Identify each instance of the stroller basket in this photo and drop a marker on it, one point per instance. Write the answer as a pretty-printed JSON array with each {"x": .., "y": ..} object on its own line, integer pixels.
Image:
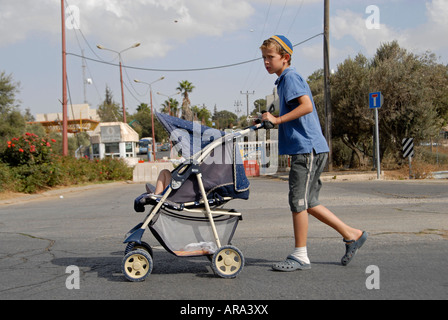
[{"x": 191, "y": 235}]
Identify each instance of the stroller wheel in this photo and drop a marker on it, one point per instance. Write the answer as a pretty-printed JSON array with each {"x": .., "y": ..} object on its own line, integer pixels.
[
  {"x": 137, "y": 265},
  {"x": 134, "y": 246},
  {"x": 228, "y": 262}
]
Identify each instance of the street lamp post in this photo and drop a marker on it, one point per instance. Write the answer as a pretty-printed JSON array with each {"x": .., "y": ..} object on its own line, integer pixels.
[
  {"x": 121, "y": 72},
  {"x": 152, "y": 114}
]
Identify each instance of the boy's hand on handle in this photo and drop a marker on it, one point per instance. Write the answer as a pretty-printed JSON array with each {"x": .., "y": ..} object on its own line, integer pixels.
[
  {"x": 268, "y": 119},
  {"x": 267, "y": 116}
]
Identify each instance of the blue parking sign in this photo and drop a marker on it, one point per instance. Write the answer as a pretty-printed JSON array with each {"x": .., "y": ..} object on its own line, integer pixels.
[{"x": 375, "y": 100}]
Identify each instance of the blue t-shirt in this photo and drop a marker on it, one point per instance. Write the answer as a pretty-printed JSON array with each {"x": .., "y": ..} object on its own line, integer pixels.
[{"x": 304, "y": 134}]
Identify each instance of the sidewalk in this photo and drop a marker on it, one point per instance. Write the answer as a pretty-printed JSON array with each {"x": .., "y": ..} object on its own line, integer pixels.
[{"x": 339, "y": 176}]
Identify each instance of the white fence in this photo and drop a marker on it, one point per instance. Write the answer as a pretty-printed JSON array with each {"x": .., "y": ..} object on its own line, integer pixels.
[{"x": 263, "y": 149}]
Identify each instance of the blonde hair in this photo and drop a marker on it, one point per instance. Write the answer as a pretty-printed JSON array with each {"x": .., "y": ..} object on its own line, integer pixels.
[{"x": 271, "y": 43}]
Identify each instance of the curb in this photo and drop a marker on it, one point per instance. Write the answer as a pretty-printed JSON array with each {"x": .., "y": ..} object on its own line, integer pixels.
[
  {"x": 338, "y": 176},
  {"x": 56, "y": 192}
]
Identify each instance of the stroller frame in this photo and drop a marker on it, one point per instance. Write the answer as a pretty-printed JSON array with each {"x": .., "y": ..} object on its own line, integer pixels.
[{"x": 227, "y": 260}]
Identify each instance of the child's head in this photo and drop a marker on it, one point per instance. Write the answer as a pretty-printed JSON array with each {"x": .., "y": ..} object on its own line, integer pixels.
[{"x": 281, "y": 44}]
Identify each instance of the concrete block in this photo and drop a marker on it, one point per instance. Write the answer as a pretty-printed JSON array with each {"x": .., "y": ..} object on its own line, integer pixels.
[{"x": 149, "y": 171}]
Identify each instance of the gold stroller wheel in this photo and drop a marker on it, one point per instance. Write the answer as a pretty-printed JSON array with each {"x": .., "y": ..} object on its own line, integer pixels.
[
  {"x": 228, "y": 262},
  {"x": 137, "y": 265}
]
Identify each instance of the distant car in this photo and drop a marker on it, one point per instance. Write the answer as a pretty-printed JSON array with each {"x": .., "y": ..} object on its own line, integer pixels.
[{"x": 165, "y": 147}]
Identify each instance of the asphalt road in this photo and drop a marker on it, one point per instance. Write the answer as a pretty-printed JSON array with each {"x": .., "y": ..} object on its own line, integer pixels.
[{"x": 405, "y": 256}]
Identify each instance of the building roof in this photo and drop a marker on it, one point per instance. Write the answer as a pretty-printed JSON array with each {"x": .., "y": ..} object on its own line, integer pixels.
[
  {"x": 107, "y": 132},
  {"x": 80, "y": 117}
]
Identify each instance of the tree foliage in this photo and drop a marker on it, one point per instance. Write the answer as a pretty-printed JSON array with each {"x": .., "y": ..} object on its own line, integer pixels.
[
  {"x": 186, "y": 87},
  {"x": 12, "y": 122},
  {"x": 8, "y": 91},
  {"x": 142, "y": 124},
  {"x": 171, "y": 107},
  {"x": 406, "y": 81},
  {"x": 202, "y": 114},
  {"x": 415, "y": 90},
  {"x": 109, "y": 110},
  {"x": 224, "y": 119}
]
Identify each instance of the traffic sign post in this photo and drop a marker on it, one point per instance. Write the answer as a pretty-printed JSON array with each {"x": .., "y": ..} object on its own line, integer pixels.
[
  {"x": 376, "y": 102},
  {"x": 408, "y": 152}
]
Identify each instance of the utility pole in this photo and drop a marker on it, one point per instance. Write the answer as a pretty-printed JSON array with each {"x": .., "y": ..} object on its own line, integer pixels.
[
  {"x": 64, "y": 86},
  {"x": 247, "y": 93},
  {"x": 122, "y": 93},
  {"x": 238, "y": 109},
  {"x": 327, "y": 95}
]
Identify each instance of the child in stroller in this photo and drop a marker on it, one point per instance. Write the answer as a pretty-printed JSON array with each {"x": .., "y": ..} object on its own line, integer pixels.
[{"x": 163, "y": 181}]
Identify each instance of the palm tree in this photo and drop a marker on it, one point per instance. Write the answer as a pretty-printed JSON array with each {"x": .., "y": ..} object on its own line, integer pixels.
[
  {"x": 143, "y": 107},
  {"x": 185, "y": 88},
  {"x": 171, "y": 107}
]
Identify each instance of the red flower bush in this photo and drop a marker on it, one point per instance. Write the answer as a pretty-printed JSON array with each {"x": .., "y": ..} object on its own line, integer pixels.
[
  {"x": 27, "y": 149},
  {"x": 28, "y": 164}
]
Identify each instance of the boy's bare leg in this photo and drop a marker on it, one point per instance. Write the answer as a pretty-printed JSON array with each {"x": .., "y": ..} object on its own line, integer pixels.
[
  {"x": 329, "y": 218},
  {"x": 300, "y": 223}
]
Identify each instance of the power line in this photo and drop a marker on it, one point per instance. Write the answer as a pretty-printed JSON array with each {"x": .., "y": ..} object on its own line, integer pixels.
[
  {"x": 295, "y": 17},
  {"x": 132, "y": 84},
  {"x": 167, "y": 70},
  {"x": 256, "y": 77},
  {"x": 78, "y": 28},
  {"x": 187, "y": 70},
  {"x": 281, "y": 15},
  {"x": 259, "y": 41}
]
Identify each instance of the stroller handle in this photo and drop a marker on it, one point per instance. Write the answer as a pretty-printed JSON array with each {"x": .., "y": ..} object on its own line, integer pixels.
[
  {"x": 259, "y": 125},
  {"x": 263, "y": 124}
]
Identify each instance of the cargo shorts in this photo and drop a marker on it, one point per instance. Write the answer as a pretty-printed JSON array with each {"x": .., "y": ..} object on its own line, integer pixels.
[{"x": 304, "y": 180}]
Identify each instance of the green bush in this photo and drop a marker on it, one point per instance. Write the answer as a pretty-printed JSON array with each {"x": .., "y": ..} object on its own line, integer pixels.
[
  {"x": 6, "y": 180},
  {"x": 31, "y": 178},
  {"x": 28, "y": 164},
  {"x": 76, "y": 171}
]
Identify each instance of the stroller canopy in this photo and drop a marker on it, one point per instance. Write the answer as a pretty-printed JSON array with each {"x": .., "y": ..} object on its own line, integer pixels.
[
  {"x": 187, "y": 136},
  {"x": 222, "y": 168}
]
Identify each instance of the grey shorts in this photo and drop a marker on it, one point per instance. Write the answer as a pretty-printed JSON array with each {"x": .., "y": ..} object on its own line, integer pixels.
[{"x": 304, "y": 180}]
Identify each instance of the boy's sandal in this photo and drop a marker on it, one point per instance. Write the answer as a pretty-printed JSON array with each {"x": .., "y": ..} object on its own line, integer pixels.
[
  {"x": 291, "y": 264},
  {"x": 351, "y": 247}
]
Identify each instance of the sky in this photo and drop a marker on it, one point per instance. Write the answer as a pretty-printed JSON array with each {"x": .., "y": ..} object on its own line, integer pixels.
[{"x": 210, "y": 43}]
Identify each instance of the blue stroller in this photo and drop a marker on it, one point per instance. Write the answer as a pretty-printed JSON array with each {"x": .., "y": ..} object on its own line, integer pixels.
[{"x": 187, "y": 219}]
